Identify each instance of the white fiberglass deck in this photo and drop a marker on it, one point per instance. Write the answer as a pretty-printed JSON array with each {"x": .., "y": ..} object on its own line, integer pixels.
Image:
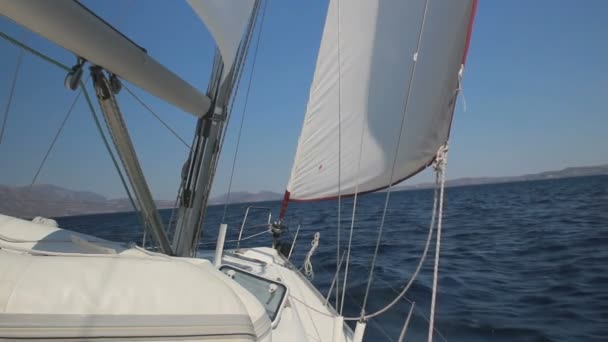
[
  {"x": 305, "y": 307},
  {"x": 58, "y": 284}
]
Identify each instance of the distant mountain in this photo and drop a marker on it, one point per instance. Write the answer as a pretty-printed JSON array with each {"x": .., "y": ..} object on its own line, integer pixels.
[
  {"x": 246, "y": 197},
  {"x": 54, "y": 201},
  {"x": 564, "y": 173}
]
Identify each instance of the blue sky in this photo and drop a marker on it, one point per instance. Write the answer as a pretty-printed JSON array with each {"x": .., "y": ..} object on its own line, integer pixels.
[{"x": 535, "y": 88}]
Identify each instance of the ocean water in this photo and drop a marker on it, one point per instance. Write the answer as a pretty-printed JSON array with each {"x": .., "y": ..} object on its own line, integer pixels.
[{"x": 521, "y": 261}]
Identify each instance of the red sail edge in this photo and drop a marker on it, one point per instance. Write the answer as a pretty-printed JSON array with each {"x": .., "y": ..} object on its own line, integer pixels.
[
  {"x": 469, "y": 32},
  {"x": 284, "y": 204},
  {"x": 286, "y": 196}
]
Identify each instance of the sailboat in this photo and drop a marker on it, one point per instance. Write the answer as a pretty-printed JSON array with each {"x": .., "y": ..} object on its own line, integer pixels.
[{"x": 379, "y": 111}]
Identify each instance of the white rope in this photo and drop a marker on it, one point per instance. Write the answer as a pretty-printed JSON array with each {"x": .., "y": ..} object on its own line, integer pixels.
[
  {"x": 439, "y": 165},
  {"x": 293, "y": 243},
  {"x": 335, "y": 280},
  {"x": 298, "y": 289},
  {"x": 303, "y": 302},
  {"x": 399, "y": 297},
  {"x": 308, "y": 271},
  {"x": 339, "y": 227},
  {"x": 352, "y": 226},
  {"x": 407, "y": 286},
  {"x": 460, "y": 90},
  {"x": 407, "y": 322}
]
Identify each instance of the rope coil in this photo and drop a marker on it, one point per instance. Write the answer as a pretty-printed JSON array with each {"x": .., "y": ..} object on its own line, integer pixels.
[{"x": 308, "y": 270}]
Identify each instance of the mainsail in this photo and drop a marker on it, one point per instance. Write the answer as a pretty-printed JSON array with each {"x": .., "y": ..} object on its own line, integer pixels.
[
  {"x": 226, "y": 20},
  {"x": 382, "y": 96},
  {"x": 230, "y": 22}
]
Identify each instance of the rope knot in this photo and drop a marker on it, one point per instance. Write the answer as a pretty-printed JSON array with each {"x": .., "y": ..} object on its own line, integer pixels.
[{"x": 441, "y": 159}]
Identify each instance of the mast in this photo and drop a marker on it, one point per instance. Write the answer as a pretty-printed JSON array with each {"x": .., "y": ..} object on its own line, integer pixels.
[
  {"x": 199, "y": 169},
  {"x": 77, "y": 29}
]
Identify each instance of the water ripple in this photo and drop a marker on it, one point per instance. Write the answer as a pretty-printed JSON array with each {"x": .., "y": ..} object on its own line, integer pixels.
[{"x": 520, "y": 262}]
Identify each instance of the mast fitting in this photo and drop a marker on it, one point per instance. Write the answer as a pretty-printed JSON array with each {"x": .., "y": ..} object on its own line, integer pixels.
[{"x": 72, "y": 79}]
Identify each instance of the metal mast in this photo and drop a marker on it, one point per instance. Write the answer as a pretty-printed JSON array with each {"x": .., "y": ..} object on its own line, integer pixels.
[{"x": 199, "y": 169}]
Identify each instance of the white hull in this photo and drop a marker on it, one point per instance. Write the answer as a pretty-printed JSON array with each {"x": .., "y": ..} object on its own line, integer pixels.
[
  {"x": 305, "y": 316},
  {"x": 58, "y": 284}
]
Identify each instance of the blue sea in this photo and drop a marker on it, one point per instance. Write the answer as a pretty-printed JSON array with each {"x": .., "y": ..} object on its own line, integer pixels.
[{"x": 524, "y": 261}]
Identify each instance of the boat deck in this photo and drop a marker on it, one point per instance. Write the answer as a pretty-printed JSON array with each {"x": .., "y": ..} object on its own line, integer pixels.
[{"x": 304, "y": 310}]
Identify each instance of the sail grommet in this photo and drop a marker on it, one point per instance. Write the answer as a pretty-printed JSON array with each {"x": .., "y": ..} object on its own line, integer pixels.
[{"x": 72, "y": 79}]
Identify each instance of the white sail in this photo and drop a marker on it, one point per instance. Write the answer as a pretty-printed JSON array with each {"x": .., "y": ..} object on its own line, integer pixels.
[
  {"x": 226, "y": 20},
  {"x": 72, "y": 26},
  {"x": 356, "y": 121}
]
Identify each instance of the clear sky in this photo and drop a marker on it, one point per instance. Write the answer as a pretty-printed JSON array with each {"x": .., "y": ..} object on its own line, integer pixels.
[{"x": 535, "y": 86}]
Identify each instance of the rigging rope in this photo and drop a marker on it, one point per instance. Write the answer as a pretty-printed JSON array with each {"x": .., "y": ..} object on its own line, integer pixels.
[
  {"x": 308, "y": 270},
  {"x": 440, "y": 165},
  {"x": 34, "y": 52},
  {"x": 416, "y": 309},
  {"x": 65, "y": 120},
  {"x": 402, "y": 297},
  {"x": 338, "y": 233},
  {"x": 335, "y": 279},
  {"x": 244, "y": 112},
  {"x": 420, "y": 262},
  {"x": 11, "y": 93},
  {"x": 407, "y": 322},
  {"x": 155, "y": 115},
  {"x": 91, "y": 107},
  {"x": 388, "y": 192},
  {"x": 350, "y": 235}
]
